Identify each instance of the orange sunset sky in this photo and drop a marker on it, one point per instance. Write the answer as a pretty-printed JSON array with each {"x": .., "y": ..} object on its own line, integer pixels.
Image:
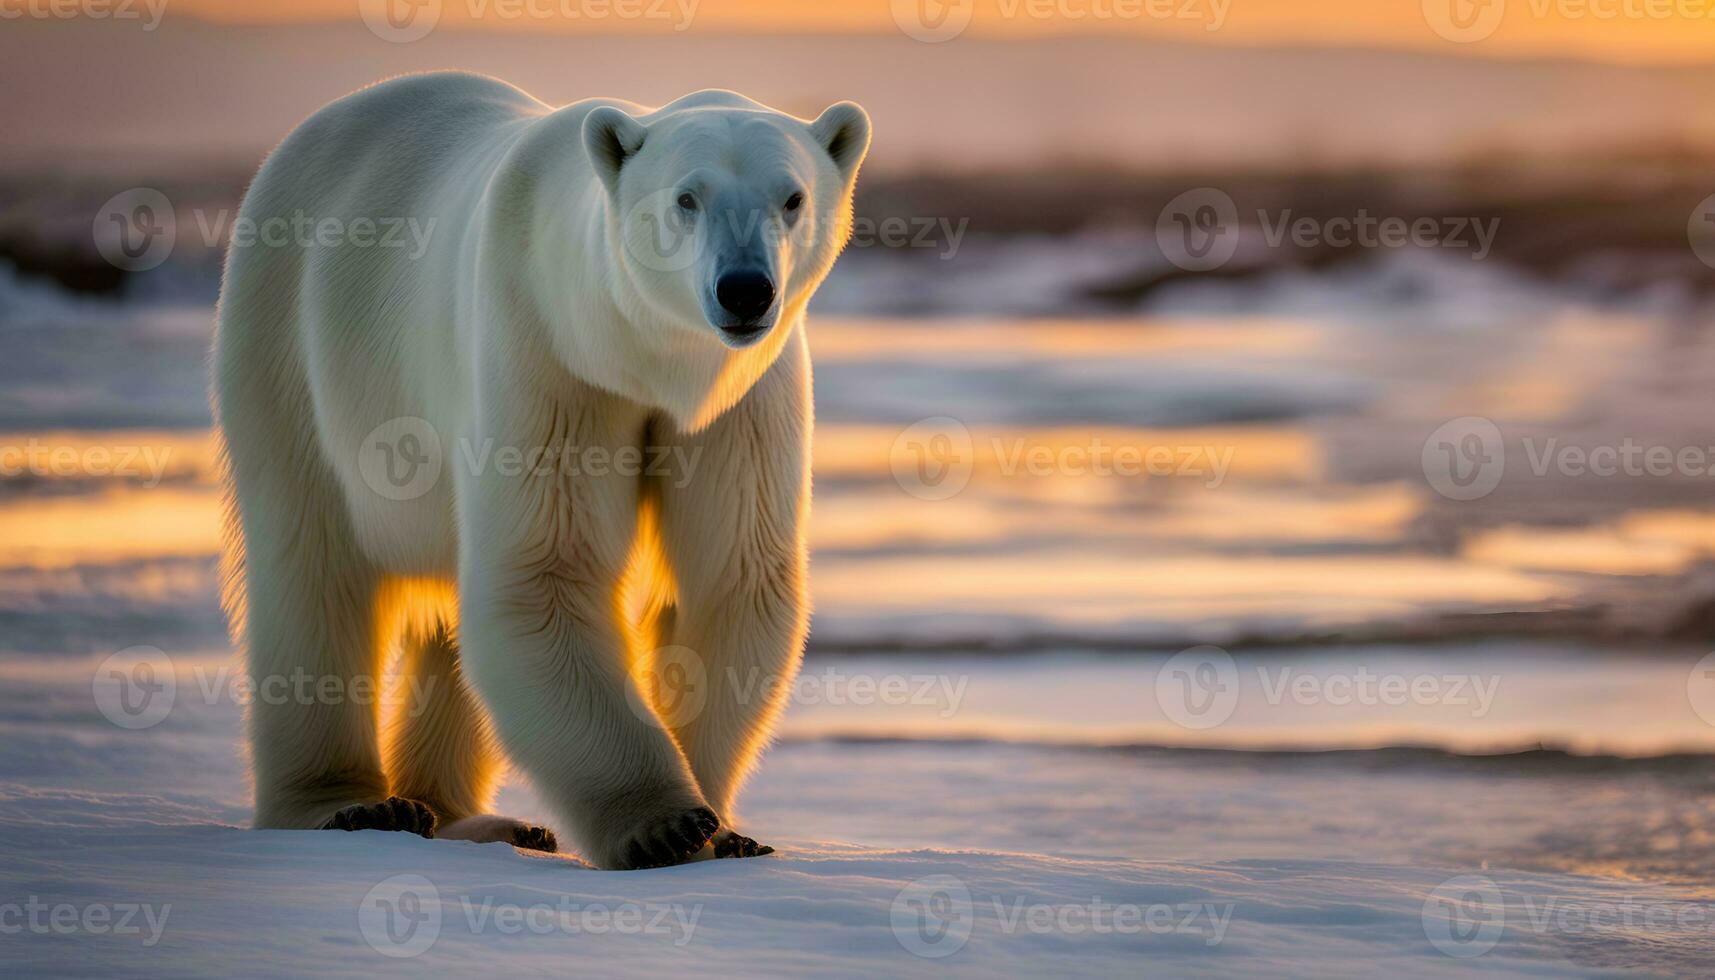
[{"x": 1607, "y": 30}]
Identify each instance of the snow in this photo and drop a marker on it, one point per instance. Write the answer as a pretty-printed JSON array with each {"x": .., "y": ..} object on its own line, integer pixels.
[
  {"x": 320, "y": 902},
  {"x": 897, "y": 856}
]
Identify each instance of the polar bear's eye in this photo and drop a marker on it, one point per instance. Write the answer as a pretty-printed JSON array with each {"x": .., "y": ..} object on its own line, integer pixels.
[
  {"x": 794, "y": 202},
  {"x": 687, "y": 202}
]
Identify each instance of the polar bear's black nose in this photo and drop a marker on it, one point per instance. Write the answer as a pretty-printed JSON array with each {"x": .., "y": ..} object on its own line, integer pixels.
[{"x": 746, "y": 295}]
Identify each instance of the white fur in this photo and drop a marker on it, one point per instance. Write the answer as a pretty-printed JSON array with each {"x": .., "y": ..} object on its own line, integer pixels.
[{"x": 529, "y": 320}]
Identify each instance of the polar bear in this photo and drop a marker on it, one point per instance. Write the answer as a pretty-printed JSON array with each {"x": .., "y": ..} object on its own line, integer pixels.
[{"x": 594, "y": 283}]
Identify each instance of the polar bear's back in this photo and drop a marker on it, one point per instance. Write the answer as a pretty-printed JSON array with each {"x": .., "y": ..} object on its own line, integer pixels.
[
  {"x": 394, "y": 128},
  {"x": 408, "y": 154},
  {"x": 320, "y": 341},
  {"x": 400, "y": 154}
]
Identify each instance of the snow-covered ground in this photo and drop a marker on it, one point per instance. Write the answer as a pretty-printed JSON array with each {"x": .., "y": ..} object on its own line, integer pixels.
[
  {"x": 998, "y": 759},
  {"x": 123, "y": 852}
]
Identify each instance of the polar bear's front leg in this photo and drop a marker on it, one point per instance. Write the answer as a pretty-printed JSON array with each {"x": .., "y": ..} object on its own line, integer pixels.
[
  {"x": 544, "y": 647},
  {"x": 549, "y": 663},
  {"x": 732, "y": 514}
]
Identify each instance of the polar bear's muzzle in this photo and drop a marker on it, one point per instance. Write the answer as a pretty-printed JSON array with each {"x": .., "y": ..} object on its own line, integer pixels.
[{"x": 747, "y": 297}]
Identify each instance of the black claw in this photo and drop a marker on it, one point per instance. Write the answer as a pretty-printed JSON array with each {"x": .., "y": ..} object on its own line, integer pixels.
[
  {"x": 686, "y": 837},
  {"x": 707, "y": 822},
  {"x": 414, "y": 816},
  {"x": 671, "y": 840},
  {"x": 536, "y": 839},
  {"x": 702, "y": 827},
  {"x": 392, "y": 813},
  {"x": 740, "y": 846}
]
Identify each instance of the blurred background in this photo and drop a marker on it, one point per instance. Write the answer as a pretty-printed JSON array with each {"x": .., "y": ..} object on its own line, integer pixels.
[{"x": 1308, "y": 403}]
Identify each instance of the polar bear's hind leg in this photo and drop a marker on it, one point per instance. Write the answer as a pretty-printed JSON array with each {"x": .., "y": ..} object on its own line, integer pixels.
[
  {"x": 303, "y": 592},
  {"x": 313, "y": 650}
]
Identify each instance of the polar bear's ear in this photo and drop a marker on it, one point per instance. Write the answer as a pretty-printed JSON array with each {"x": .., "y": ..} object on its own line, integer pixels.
[
  {"x": 843, "y": 130},
  {"x": 611, "y": 137}
]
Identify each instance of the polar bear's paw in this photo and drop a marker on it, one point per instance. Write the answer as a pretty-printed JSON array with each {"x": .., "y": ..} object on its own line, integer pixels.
[
  {"x": 393, "y": 813},
  {"x": 668, "y": 840},
  {"x": 489, "y": 829},
  {"x": 731, "y": 844},
  {"x": 534, "y": 838}
]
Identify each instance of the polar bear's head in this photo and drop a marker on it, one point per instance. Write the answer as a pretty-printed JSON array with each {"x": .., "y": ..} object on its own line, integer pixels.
[{"x": 730, "y": 213}]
